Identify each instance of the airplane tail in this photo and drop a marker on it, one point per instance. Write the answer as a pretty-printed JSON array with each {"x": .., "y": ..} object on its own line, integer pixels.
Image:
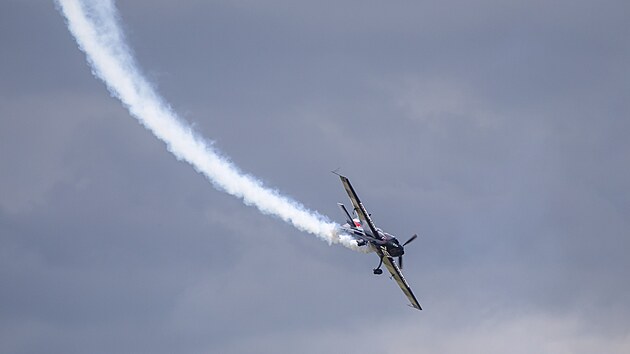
[{"x": 346, "y": 214}]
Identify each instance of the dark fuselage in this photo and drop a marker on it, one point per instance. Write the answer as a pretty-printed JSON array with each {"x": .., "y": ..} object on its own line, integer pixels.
[{"x": 393, "y": 247}]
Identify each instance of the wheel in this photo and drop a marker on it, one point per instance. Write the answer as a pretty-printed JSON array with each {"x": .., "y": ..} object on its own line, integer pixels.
[{"x": 378, "y": 271}]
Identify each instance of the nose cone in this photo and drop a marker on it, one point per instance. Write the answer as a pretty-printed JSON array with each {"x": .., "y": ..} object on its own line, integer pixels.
[{"x": 396, "y": 250}]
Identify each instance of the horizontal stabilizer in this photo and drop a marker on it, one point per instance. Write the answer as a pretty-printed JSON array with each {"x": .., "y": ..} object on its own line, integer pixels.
[{"x": 346, "y": 214}]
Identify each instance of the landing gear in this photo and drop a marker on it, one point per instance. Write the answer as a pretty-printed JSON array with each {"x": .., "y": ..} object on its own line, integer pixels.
[{"x": 378, "y": 270}]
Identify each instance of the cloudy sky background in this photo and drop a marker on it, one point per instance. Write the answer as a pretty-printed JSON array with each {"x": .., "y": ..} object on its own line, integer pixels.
[{"x": 497, "y": 132}]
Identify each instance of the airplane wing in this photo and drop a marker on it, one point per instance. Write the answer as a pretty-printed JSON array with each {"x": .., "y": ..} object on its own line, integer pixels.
[
  {"x": 364, "y": 216},
  {"x": 397, "y": 275}
]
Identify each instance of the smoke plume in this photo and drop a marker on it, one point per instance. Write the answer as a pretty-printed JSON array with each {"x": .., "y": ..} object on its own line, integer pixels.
[{"x": 95, "y": 27}]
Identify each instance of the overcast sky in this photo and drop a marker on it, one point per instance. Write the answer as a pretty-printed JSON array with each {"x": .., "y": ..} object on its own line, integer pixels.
[{"x": 497, "y": 132}]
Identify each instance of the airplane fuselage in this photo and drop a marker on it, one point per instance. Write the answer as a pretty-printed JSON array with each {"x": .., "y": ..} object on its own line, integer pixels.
[{"x": 388, "y": 241}]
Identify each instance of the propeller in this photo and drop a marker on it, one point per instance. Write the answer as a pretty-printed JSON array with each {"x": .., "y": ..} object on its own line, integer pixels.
[
  {"x": 400, "y": 261},
  {"x": 410, "y": 239}
]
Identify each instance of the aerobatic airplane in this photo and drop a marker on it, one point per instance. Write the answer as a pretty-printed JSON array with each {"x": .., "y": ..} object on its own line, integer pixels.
[{"x": 385, "y": 245}]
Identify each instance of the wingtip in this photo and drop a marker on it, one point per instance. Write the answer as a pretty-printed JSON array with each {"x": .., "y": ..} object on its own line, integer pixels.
[{"x": 336, "y": 171}]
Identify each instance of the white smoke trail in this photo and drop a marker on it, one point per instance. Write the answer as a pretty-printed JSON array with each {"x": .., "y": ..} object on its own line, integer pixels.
[{"x": 94, "y": 25}]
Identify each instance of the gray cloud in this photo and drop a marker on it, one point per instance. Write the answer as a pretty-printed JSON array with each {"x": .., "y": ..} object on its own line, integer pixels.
[{"x": 497, "y": 132}]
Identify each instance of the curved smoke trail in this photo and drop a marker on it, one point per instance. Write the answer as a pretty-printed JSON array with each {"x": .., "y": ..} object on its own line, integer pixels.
[{"x": 94, "y": 25}]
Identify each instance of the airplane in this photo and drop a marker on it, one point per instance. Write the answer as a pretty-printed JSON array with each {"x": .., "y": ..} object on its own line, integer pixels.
[{"x": 385, "y": 245}]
